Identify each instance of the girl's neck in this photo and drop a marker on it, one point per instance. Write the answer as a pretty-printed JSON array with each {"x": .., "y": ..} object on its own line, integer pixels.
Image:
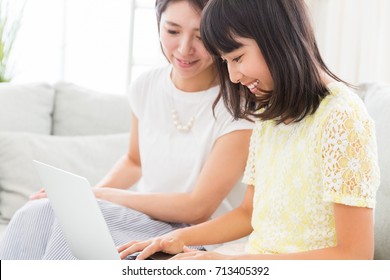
[
  {"x": 202, "y": 81},
  {"x": 326, "y": 79}
]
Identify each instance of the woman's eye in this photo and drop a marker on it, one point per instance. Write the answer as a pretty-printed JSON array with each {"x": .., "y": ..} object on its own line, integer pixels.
[{"x": 173, "y": 32}]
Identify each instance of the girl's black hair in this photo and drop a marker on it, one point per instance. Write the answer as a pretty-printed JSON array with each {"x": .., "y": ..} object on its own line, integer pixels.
[{"x": 282, "y": 29}]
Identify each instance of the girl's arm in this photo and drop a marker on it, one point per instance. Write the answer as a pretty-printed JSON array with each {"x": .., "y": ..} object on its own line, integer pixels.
[
  {"x": 355, "y": 237},
  {"x": 231, "y": 226},
  {"x": 355, "y": 240},
  {"x": 222, "y": 170}
]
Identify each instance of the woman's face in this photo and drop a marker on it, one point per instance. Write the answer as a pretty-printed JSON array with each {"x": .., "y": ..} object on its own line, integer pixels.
[
  {"x": 181, "y": 43},
  {"x": 247, "y": 66}
]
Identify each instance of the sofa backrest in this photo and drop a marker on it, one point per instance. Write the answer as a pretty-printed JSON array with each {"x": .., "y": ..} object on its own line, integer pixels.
[
  {"x": 26, "y": 107},
  {"x": 376, "y": 97},
  {"x": 81, "y": 111},
  {"x": 90, "y": 135},
  {"x": 63, "y": 109}
]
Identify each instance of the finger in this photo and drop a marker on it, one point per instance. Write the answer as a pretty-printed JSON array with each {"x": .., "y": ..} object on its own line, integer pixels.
[
  {"x": 41, "y": 190},
  {"x": 148, "y": 251},
  {"x": 184, "y": 256},
  {"x": 137, "y": 247},
  {"x": 127, "y": 245},
  {"x": 38, "y": 196},
  {"x": 171, "y": 246},
  {"x": 187, "y": 250}
]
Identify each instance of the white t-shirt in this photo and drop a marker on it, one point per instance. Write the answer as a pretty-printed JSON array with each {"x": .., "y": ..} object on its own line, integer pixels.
[{"x": 171, "y": 159}]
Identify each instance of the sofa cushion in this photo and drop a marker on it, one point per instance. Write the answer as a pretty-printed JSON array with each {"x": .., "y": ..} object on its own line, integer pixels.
[
  {"x": 80, "y": 111},
  {"x": 377, "y": 100},
  {"x": 87, "y": 156},
  {"x": 26, "y": 107}
]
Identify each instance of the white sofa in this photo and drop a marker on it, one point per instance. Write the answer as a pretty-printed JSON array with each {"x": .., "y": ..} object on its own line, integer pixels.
[
  {"x": 85, "y": 132},
  {"x": 65, "y": 125},
  {"x": 376, "y": 97}
]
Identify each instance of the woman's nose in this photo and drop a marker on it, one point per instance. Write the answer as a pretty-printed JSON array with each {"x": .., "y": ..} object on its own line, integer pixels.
[{"x": 186, "y": 46}]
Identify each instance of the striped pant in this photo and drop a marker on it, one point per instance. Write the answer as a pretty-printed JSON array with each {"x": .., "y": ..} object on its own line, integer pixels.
[{"x": 34, "y": 233}]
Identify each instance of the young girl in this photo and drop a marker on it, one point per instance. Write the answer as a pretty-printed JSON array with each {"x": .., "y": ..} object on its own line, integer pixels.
[
  {"x": 312, "y": 171},
  {"x": 185, "y": 158}
]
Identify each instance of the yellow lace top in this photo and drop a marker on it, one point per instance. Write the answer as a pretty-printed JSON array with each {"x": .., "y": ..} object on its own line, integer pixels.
[{"x": 299, "y": 170}]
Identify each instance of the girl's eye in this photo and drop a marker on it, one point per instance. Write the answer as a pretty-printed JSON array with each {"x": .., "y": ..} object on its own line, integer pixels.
[
  {"x": 237, "y": 59},
  {"x": 199, "y": 38}
]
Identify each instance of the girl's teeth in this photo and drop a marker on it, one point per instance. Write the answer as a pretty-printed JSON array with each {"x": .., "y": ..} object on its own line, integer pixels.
[{"x": 253, "y": 85}]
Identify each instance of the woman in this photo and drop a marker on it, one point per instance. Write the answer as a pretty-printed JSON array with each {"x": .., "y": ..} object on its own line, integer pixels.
[
  {"x": 312, "y": 171},
  {"x": 186, "y": 157}
]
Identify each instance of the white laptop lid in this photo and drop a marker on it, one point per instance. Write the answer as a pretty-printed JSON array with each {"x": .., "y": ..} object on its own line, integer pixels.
[{"x": 78, "y": 213}]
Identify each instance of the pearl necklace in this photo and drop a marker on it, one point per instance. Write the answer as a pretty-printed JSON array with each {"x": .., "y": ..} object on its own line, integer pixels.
[
  {"x": 175, "y": 117},
  {"x": 176, "y": 122},
  {"x": 185, "y": 128}
]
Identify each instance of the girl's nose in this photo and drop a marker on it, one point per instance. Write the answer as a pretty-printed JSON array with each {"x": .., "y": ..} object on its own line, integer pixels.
[{"x": 234, "y": 75}]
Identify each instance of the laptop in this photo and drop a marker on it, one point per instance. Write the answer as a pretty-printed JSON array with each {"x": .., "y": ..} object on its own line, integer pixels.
[{"x": 79, "y": 215}]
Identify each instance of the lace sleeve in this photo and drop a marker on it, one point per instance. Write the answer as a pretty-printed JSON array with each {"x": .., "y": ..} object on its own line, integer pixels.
[
  {"x": 250, "y": 169},
  {"x": 349, "y": 159}
]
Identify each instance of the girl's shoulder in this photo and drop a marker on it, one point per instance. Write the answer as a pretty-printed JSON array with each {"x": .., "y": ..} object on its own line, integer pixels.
[{"x": 342, "y": 99}]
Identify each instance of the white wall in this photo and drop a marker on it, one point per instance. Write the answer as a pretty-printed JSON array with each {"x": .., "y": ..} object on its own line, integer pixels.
[
  {"x": 88, "y": 41},
  {"x": 354, "y": 37}
]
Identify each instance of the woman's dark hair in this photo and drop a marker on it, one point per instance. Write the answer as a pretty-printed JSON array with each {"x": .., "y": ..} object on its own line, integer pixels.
[
  {"x": 161, "y": 6},
  {"x": 282, "y": 29}
]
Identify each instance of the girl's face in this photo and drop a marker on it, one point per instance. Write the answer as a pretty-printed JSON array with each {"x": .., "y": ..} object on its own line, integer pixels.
[
  {"x": 181, "y": 43},
  {"x": 247, "y": 66}
]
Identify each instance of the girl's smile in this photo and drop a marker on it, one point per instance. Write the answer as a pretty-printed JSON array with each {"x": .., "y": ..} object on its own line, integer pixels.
[{"x": 253, "y": 86}]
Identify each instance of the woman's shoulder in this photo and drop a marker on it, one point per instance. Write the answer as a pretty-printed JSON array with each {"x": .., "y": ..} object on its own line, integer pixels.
[
  {"x": 149, "y": 81},
  {"x": 145, "y": 85},
  {"x": 153, "y": 75}
]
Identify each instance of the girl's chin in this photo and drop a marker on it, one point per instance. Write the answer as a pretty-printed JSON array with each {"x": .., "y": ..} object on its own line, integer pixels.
[{"x": 255, "y": 91}]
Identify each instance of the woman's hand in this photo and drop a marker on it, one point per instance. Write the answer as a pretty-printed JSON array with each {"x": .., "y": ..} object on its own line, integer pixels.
[
  {"x": 98, "y": 192},
  {"x": 38, "y": 195},
  {"x": 167, "y": 243}
]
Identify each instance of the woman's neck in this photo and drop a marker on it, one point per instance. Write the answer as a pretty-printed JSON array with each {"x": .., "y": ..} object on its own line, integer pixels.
[{"x": 202, "y": 81}]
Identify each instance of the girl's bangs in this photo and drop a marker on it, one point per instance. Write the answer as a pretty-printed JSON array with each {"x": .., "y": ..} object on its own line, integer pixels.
[{"x": 217, "y": 33}]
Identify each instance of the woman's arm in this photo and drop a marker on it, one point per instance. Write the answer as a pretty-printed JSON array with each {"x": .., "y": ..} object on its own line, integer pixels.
[
  {"x": 127, "y": 171},
  {"x": 222, "y": 170},
  {"x": 355, "y": 240},
  {"x": 231, "y": 226}
]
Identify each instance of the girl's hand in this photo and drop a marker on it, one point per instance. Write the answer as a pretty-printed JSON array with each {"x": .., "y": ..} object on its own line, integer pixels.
[
  {"x": 199, "y": 255},
  {"x": 38, "y": 195},
  {"x": 167, "y": 244}
]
